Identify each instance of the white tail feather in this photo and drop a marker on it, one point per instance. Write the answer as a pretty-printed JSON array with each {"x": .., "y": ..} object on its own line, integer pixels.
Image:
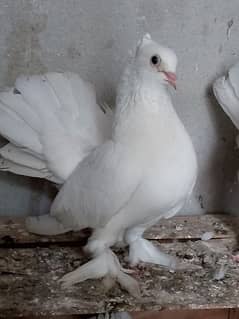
[
  {"x": 16, "y": 131},
  {"x": 52, "y": 122},
  {"x": 15, "y": 103},
  {"x": 45, "y": 225},
  {"x": 21, "y": 157},
  {"x": 8, "y": 166}
]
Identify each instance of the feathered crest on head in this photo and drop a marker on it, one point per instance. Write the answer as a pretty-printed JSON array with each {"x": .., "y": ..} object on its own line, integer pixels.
[{"x": 144, "y": 40}]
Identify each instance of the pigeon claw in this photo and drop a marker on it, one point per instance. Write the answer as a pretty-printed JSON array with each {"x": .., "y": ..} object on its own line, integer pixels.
[
  {"x": 106, "y": 266},
  {"x": 143, "y": 251}
]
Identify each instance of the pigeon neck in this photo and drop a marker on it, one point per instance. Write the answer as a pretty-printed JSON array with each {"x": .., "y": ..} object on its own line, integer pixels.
[{"x": 142, "y": 108}]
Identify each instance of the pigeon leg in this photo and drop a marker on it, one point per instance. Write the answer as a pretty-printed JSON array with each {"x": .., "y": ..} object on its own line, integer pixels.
[
  {"x": 105, "y": 265},
  {"x": 142, "y": 250}
]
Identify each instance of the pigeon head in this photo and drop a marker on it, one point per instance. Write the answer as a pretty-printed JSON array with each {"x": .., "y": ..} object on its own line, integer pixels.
[{"x": 156, "y": 61}]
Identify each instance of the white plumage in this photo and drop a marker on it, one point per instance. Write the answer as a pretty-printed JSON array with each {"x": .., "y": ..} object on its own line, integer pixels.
[
  {"x": 117, "y": 181},
  {"x": 52, "y": 122},
  {"x": 226, "y": 91}
]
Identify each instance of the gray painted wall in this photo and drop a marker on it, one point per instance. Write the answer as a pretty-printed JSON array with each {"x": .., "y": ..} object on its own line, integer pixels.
[{"x": 94, "y": 38}]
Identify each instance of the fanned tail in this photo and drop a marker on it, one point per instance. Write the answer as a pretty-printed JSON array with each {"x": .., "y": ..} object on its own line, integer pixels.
[{"x": 51, "y": 122}]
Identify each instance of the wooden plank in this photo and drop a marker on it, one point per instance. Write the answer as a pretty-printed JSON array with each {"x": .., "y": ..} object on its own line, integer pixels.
[
  {"x": 193, "y": 227},
  {"x": 233, "y": 314},
  {"x": 29, "y": 282},
  {"x": 12, "y": 231},
  {"x": 183, "y": 314}
]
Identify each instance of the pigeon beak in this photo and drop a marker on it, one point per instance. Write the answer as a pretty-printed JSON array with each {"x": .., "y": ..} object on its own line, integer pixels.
[{"x": 171, "y": 78}]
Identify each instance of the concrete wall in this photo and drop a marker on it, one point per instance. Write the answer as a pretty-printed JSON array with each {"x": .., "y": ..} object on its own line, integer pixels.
[{"x": 94, "y": 38}]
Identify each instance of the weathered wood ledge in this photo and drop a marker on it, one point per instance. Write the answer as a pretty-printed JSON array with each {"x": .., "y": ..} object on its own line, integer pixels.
[{"x": 30, "y": 267}]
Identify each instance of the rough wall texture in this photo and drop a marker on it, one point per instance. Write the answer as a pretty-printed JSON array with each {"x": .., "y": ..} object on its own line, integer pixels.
[{"x": 94, "y": 38}]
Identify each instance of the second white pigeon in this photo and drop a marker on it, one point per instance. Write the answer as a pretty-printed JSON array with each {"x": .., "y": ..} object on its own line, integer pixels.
[{"x": 226, "y": 91}]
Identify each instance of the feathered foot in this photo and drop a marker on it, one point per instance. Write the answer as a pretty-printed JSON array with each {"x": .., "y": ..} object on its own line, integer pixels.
[
  {"x": 142, "y": 250},
  {"x": 106, "y": 265}
]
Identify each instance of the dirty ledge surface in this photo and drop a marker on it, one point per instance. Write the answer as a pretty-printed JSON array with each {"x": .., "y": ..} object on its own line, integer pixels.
[{"x": 30, "y": 267}]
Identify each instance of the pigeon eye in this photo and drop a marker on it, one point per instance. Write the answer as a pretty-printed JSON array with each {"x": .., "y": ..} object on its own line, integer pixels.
[{"x": 155, "y": 59}]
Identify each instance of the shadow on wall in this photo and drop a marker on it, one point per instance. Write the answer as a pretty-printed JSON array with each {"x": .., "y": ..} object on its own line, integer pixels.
[
  {"x": 23, "y": 56},
  {"x": 23, "y": 48},
  {"x": 225, "y": 152}
]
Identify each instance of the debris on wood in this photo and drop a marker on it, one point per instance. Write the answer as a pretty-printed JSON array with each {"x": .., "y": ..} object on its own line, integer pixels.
[
  {"x": 30, "y": 267},
  {"x": 236, "y": 258},
  {"x": 220, "y": 273},
  {"x": 207, "y": 235}
]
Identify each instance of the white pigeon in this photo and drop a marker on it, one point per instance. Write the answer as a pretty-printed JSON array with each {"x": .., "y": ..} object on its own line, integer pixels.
[
  {"x": 226, "y": 91},
  {"x": 117, "y": 180}
]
